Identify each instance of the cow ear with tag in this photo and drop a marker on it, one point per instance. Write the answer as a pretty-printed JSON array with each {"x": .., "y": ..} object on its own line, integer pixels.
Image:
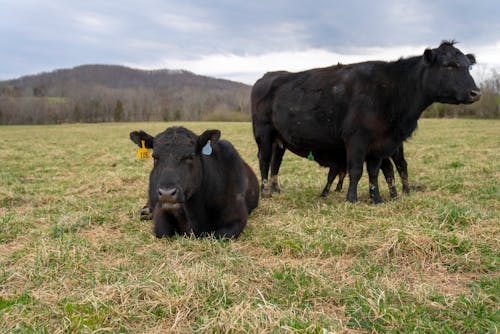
[
  {"x": 138, "y": 137},
  {"x": 206, "y": 140}
]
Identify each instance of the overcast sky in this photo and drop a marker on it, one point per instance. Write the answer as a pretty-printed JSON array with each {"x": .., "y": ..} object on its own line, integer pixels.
[{"x": 238, "y": 40}]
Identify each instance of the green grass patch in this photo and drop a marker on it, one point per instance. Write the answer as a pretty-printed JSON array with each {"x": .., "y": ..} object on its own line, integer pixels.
[{"x": 56, "y": 99}]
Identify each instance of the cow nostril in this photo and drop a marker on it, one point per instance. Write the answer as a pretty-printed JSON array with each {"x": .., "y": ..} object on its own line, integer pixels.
[
  {"x": 475, "y": 93},
  {"x": 170, "y": 192}
]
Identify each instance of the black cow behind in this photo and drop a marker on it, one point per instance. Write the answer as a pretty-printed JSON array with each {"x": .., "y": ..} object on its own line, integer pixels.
[
  {"x": 360, "y": 112},
  {"x": 199, "y": 184},
  {"x": 334, "y": 159}
]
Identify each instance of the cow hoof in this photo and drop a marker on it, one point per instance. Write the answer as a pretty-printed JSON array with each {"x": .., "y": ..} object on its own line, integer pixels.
[
  {"x": 265, "y": 190},
  {"x": 266, "y": 193},
  {"x": 146, "y": 213},
  {"x": 352, "y": 199},
  {"x": 275, "y": 188}
]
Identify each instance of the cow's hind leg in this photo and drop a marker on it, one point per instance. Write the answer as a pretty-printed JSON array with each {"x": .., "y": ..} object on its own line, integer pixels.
[
  {"x": 332, "y": 173},
  {"x": 278, "y": 150},
  {"x": 373, "y": 166},
  {"x": 340, "y": 182},
  {"x": 388, "y": 171},
  {"x": 233, "y": 221},
  {"x": 342, "y": 171},
  {"x": 402, "y": 167},
  {"x": 228, "y": 232},
  {"x": 264, "y": 143}
]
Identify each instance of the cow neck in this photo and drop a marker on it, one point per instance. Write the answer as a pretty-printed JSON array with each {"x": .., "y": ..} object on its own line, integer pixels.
[
  {"x": 409, "y": 95},
  {"x": 205, "y": 178}
]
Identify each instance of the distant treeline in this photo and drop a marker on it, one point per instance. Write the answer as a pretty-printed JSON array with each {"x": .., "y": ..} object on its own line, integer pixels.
[{"x": 105, "y": 93}]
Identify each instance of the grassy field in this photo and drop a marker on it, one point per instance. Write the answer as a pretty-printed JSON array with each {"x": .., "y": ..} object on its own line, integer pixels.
[{"x": 74, "y": 256}]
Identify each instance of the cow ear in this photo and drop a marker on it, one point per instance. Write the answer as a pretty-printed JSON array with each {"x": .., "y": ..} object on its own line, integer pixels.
[
  {"x": 138, "y": 136},
  {"x": 430, "y": 56},
  {"x": 212, "y": 135},
  {"x": 472, "y": 58}
]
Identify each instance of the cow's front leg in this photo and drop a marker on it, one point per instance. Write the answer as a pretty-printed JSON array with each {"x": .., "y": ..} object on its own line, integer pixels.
[
  {"x": 373, "y": 167},
  {"x": 165, "y": 224},
  {"x": 355, "y": 160},
  {"x": 354, "y": 176},
  {"x": 146, "y": 212}
]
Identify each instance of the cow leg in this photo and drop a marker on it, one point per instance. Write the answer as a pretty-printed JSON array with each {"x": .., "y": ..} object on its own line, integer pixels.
[
  {"x": 146, "y": 213},
  {"x": 228, "y": 232},
  {"x": 388, "y": 171},
  {"x": 164, "y": 223},
  {"x": 264, "y": 143},
  {"x": 340, "y": 182},
  {"x": 276, "y": 158},
  {"x": 355, "y": 160},
  {"x": 234, "y": 220},
  {"x": 332, "y": 173},
  {"x": 402, "y": 167},
  {"x": 373, "y": 167}
]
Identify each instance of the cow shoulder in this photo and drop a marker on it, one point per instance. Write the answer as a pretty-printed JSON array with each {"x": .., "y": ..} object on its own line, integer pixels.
[{"x": 224, "y": 164}]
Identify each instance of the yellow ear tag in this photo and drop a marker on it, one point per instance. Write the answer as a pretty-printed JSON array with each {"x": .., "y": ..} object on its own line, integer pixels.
[{"x": 143, "y": 153}]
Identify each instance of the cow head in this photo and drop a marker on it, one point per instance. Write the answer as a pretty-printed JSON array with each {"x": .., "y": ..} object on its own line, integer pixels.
[
  {"x": 447, "y": 78},
  {"x": 177, "y": 171}
]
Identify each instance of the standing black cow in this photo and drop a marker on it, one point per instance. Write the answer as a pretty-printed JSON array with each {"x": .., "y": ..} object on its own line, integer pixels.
[
  {"x": 199, "y": 184},
  {"x": 334, "y": 159},
  {"x": 366, "y": 109}
]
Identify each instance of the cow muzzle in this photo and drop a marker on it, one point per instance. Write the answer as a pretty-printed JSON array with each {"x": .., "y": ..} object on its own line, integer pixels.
[
  {"x": 170, "y": 198},
  {"x": 474, "y": 95}
]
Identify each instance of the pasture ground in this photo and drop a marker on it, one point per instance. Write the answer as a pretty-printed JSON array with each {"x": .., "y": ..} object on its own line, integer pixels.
[{"x": 74, "y": 256}]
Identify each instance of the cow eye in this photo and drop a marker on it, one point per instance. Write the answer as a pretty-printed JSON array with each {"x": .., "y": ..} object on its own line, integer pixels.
[{"x": 452, "y": 65}]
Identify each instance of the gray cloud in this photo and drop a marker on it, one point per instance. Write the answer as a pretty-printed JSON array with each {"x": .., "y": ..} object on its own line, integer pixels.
[{"x": 39, "y": 36}]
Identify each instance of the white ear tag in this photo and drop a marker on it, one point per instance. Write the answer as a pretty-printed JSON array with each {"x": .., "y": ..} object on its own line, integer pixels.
[{"x": 207, "y": 149}]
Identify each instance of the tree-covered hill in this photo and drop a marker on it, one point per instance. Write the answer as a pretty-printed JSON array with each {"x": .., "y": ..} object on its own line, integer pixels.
[{"x": 101, "y": 93}]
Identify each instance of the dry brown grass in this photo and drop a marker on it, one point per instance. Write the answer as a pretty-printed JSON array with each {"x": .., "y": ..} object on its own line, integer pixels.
[{"x": 74, "y": 256}]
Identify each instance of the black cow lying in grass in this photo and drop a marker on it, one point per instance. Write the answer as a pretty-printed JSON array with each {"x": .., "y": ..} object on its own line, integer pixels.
[{"x": 199, "y": 184}]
